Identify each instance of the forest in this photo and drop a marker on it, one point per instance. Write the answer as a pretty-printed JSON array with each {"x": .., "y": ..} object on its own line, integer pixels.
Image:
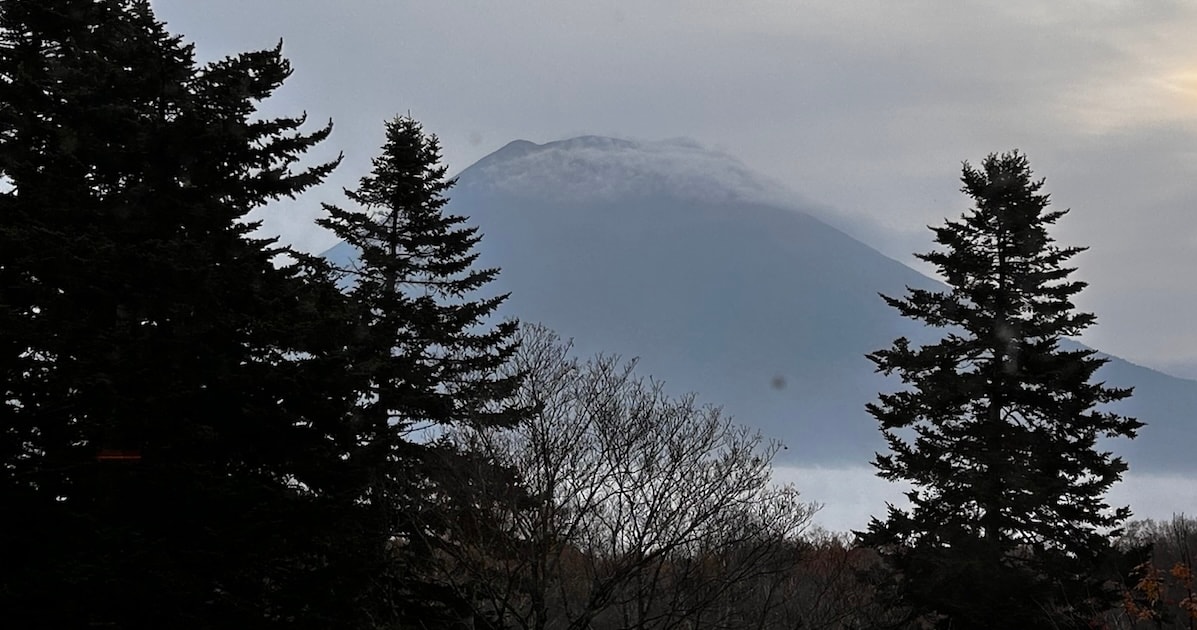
[{"x": 203, "y": 427}]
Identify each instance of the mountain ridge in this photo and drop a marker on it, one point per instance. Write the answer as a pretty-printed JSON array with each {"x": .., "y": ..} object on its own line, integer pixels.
[{"x": 739, "y": 296}]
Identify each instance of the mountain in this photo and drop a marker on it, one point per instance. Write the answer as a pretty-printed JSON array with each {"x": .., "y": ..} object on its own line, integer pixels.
[{"x": 720, "y": 283}]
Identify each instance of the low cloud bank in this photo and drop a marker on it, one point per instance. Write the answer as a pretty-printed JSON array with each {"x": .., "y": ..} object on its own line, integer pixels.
[{"x": 850, "y": 496}]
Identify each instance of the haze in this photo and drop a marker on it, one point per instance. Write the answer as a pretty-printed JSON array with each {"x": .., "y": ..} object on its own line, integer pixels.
[{"x": 864, "y": 108}]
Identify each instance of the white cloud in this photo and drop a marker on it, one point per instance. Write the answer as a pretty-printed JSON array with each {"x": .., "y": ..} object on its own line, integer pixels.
[{"x": 851, "y": 495}]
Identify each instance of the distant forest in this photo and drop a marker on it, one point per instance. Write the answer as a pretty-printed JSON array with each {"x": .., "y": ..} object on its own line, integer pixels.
[{"x": 202, "y": 427}]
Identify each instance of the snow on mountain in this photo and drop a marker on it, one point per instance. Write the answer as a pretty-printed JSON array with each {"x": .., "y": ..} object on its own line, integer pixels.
[{"x": 603, "y": 169}]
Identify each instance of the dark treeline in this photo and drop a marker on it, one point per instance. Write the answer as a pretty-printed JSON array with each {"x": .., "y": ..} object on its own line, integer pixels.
[{"x": 203, "y": 428}]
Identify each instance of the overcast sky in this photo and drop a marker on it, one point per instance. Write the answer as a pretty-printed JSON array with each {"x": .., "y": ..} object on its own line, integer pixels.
[{"x": 865, "y": 109}]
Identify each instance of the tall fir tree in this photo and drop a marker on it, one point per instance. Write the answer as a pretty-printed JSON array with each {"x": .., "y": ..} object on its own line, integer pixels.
[
  {"x": 426, "y": 353},
  {"x": 998, "y": 427},
  {"x": 172, "y": 421}
]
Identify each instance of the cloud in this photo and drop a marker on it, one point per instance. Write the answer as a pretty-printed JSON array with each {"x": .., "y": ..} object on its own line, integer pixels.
[
  {"x": 852, "y": 495},
  {"x": 866, "y": 108}
]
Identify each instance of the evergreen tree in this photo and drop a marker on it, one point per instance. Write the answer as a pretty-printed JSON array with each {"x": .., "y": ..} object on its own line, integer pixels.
[
  {"x": 997, "y": 429},
  {"x": 172, "y": 421},
  {"x": 425, "y": 354}
]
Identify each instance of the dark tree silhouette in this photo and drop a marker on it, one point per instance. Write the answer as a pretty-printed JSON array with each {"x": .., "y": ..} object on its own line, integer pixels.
[
  {"x": 998, "y": 426},
  {"x": 425, "y": 355},
  {"x": 172, "y": 431}
]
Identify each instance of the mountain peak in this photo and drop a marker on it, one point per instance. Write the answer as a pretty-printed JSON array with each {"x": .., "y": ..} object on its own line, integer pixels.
[
  {"x": 665, "y": 251},
  {"x": 513, "y": 149},
  {"x": 603, "y": 169}
]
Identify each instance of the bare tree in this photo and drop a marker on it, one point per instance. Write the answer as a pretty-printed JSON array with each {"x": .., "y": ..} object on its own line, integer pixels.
[{"x": 640, "y": 510}]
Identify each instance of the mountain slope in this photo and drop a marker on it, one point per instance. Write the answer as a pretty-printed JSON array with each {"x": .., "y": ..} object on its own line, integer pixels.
[{"x": 721, "y": 285}]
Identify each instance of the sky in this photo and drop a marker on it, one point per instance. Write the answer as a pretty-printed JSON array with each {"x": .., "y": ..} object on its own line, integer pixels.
[{"x": 863, "y": 109}]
